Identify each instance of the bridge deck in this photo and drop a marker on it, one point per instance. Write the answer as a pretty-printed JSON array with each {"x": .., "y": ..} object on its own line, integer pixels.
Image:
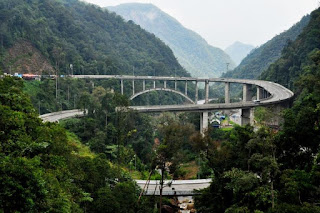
[{"x": 177, "y": 187}]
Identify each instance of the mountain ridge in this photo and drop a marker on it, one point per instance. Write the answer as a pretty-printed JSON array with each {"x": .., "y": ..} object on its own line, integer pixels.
[
  {"x": 259, "y": 59},
  {"x": 95, "y": 41},
  {"x": 189, "y": 47},
  {"x": 238, "y": 51}
]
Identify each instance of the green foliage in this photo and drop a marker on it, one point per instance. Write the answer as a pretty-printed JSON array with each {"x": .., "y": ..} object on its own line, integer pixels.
[
  {"x": 284, "y": 165},
  {"x": 95, "y": 41},
  {"x": 298, "y": 57},
  {"x": 45, "y": 169}
]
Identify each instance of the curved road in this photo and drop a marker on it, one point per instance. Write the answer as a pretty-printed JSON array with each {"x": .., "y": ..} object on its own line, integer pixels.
[
  {"x": 56, "y": 116},
  {"x": 185, "y": 187},
  {"x": 278, "y": 93}
]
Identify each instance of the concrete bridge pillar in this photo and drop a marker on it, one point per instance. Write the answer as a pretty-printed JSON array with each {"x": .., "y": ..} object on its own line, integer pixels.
[
  {"x": 207, "y": 92},
  {"x": 132, "y": 87},
  {"x": 247, "y": 116},
  {"x": 121, "y": 86},
  {"x": 204, "y": 123},
  {"x": 266, "y": 94},
  {"x": 247, "y": 95},
  {"x": 186, "y": 88},
  {"x": 196, "y": 95},
  {"x": 144, "y": 85},
  {"x": 175, "y": 85},
  {"x": 227, "y": 92},
  {"x": 154, "y": 84},
  {"x": 165, "y": 84},
  {"x": 259, "y": 93}
]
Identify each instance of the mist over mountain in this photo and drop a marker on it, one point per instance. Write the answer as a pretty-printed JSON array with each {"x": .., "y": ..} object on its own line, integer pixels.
[
  {"x": 191, "y": 50},
  {"x": 261, "y": 57},
  {"x": 238, "y": 51}
]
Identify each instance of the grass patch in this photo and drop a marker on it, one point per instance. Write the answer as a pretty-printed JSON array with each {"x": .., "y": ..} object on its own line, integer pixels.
[{"x": 79, "y": 149}]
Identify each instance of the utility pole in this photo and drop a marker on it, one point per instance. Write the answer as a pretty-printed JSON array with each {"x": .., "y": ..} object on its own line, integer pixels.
[
  {"x": 71, "y": 68},
  {"x": 56, "y": 84}
]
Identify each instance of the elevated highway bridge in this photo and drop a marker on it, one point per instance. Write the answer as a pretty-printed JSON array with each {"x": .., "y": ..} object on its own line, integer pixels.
[{"x": 267, "y": 93}]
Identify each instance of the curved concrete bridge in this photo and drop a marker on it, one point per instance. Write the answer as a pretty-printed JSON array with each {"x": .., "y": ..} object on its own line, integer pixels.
[{"x": 268, "y": 93}]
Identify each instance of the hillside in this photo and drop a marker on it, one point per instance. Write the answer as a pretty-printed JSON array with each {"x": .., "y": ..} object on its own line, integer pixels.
[
  {"x": 43, "y": 36},
  {"x": 275, "y": 171},
  {"x": 191, "y": 50},
  {"x": 238, "y": 51},
  {"x": 298, "y": 57},
  {"x": 260, "y": 58}
]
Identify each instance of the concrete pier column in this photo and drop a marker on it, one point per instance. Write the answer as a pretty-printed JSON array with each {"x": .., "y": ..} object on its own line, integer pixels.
[
  {"x": 204, "y": 122},
  {"x": 175, "y": 85},
  {"x": 227, "y": 93},
  {"x": 265, "y": 94},
  {"x": 186, "y": 88},
  {"x": 247, "y": 94},
  {"x": 121, "y": 86},
  {"x": 154, "y": 84},
  {"x": 196, "y": 95},
  {"x": 207, "y": 92},
  {"x": 247, "y": 116},
  {"x": 132, "y": 87},
  {"x": 259, "y": 93},
  {"x": 144, "y": 85},
  {"x": 165, "y": 84}
]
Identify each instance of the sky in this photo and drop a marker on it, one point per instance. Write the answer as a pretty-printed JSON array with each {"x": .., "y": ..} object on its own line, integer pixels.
[{"x": 222, "y": 22}]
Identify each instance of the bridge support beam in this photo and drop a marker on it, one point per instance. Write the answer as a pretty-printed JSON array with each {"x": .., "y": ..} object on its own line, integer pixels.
[
  {"x": 144, "y": 85},
  {"x": 266, "y": 94},
  {"x": 196, "y": 95},
  {"x": 186, "y": 88},
  {"x": 204, "y": 122},
  {"x": 154, "y": 84},
  {"x": 207, "y": 92},
  {"x": 259, "y": 93},
  {"x": 175, "y": 85},
  {"x": 165, "y": 84},
  {"x": 133, "y": 87},
  {"x": 121, "y": 86},
  {"x": 247, "y": 94},
  {"x": 247, "y": 116},
  {"x": 227, "y": 92}
]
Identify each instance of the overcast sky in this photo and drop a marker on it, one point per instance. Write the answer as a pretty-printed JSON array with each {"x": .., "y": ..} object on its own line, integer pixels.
[{"x": 222, "y": 22}]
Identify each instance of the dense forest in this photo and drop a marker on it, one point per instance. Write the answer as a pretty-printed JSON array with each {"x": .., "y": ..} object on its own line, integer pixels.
[
  {"x": 67, "y": 32},
  {"x": 44, "y": 168},
  {"x": 88, "y": 164},
  {"x": 268, "y": 170},
  {"x": 260, "y": 58}
]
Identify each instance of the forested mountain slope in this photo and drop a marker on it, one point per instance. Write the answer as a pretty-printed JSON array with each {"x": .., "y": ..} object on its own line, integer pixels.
[
  {"x": 193, "y": 52},
  {"x": 268, "y": 170},
  {"x": 64, "y": 32},
  {"x": 298, "y": 57},
  {"x": 260, "y": 58}
]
